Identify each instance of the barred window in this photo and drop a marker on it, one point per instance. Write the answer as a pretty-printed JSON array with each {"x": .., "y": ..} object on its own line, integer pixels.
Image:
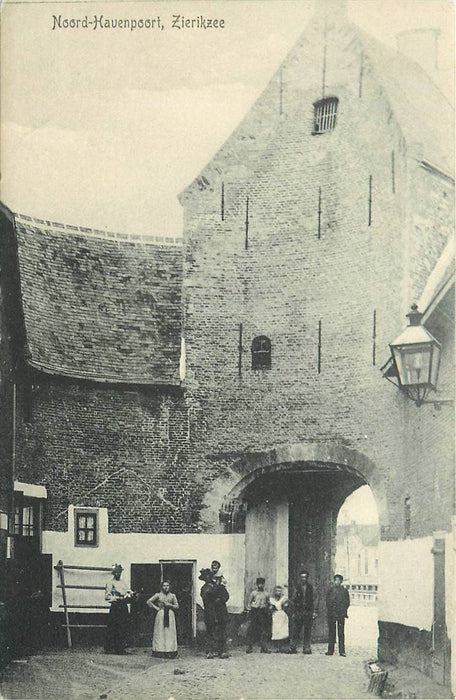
[
  {"x": 325, "y": 114},
  {"x": 86, "y": 528},
  {"x": 261, "y": 353}
]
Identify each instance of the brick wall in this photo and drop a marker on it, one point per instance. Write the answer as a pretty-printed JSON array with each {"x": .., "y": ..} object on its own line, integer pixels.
[
  {"x": 296, "y": 274},
  {"x": 126, "y": 450},
  {"x": 332, "y": 258}
]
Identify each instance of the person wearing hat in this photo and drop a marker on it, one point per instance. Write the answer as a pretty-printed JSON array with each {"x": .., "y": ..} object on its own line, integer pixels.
[
  {"x": 119, "y": 595},
  {"x": 337, "y": 604},
  {"x": 214, "y": 595}
]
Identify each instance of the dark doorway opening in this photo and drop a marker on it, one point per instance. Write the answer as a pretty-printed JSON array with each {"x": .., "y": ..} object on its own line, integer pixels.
[
  {"x": 146, "y": 580},
  {"x": 290, "y": 526}
]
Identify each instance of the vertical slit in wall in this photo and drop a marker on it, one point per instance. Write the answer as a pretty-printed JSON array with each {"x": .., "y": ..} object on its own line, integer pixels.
[
  {"x": 222, "y": 202},
  {"x": 393, "y": 172},
  {"x": 281, "y": 93},
  {"x": 319, "y": 213},
  {"x": 374, "y": 336},
  {"x": 247, "y": 223},
  {"x": 370, "y": 201},
  {"x": 323, "y": 77},
  {"x": 319, "y": 348},
  {"x": 361, "y": 74},
  {"x": 240, "y": 351}
]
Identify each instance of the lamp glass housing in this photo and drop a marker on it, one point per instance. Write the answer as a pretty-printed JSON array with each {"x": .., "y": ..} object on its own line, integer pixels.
[{"x": 417, "y": 363}]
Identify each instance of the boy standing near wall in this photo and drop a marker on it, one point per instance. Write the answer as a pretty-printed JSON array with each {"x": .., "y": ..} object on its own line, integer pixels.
[{"x": 260, "y": 618}]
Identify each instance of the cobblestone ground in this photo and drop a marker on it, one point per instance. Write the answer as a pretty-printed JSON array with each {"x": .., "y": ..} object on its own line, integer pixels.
[{"x": 89, "y": 673}]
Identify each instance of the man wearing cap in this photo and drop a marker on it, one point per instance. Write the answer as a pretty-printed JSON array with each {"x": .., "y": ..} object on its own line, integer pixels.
[
  {"x": 337, "y": 604},
  {"x": 119, "y": 595}
]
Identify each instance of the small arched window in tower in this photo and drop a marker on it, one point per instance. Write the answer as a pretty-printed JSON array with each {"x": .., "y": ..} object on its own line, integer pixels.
[
  {"x": 325, "y": 112},
  {"x": 261, "y": 353}
]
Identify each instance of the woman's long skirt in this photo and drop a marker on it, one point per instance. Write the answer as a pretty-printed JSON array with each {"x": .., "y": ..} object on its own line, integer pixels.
[
  {"x": 117, "y": 628},
  {"x": 164, "y": 640},
  {"x": 279, "y": 625}
]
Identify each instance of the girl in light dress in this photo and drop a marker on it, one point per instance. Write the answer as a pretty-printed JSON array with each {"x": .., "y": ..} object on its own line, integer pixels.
[
  {"x": 164, "y": 640},
  {"x": 278, "y": 604}
]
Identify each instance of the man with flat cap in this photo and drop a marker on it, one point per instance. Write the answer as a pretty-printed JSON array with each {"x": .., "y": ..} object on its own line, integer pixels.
[
  {"x": 119, "y": 595},
  {"x": 337, "y": 604}
]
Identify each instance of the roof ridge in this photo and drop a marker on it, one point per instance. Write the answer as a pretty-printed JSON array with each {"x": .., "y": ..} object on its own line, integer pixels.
[{"x": 58, "y": 227}]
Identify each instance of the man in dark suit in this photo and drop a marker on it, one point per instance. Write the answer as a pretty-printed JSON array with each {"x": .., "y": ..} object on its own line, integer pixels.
[
  {"x": 337, "y": 604},
  {"x": 215, "y": 596},
  {"x": 304, "y": 606}
]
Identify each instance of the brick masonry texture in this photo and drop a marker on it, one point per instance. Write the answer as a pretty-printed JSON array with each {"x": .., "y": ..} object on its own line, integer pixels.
[
  {"x": 97, "y": 446},
  {"x": 113, "y": 309},
  {"x": 291, "y": 276}
]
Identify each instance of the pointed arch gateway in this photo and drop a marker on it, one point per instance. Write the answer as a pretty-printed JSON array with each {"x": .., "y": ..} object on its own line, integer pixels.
[{"x": 286, "y": 501}]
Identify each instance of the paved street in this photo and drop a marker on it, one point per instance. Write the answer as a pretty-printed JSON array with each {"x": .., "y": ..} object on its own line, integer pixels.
[
  {"x": 86, "y": 672},
  {"x": 89, "y": 673},
  {"x": 80, "y": 673}
]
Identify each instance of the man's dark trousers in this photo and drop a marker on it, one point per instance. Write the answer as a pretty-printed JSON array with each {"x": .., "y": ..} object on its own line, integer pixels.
[
  {"x": 332, "y": 623},
  {"x": 260, "y": 622},
  {"x": 302, "y": 622}
]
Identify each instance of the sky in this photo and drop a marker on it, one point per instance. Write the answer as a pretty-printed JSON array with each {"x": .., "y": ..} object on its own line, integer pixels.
[
  {"x": 360, "y": 507},
  {"x": 103, "y": 128}
]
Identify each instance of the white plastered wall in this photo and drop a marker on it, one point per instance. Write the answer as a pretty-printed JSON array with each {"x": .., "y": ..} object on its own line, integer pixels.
[
  {"x": 406, "y": 582},
  {"x": 141, "y": 548},
  {"x": 450, "y": 596}
]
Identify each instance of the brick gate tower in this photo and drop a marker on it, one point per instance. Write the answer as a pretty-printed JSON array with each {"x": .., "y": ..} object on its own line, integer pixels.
[
  {"x": 163, "y": 405},
  {"x": 307, "y": 237}
]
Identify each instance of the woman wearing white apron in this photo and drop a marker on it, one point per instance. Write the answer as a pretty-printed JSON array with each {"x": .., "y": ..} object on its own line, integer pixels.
[
  {"x": 164, "y": 640},
  {"x": 279, "y": 603}
]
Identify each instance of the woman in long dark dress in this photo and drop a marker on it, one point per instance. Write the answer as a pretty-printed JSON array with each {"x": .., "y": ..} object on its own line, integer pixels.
[{"x": 164, "y": 640}]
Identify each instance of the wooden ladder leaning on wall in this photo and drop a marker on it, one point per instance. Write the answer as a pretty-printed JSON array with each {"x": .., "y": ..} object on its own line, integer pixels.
[{"x": 60, "y": 568}]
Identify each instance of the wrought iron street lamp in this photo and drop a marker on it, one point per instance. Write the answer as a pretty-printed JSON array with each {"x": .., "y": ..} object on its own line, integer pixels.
[{"x": 415, "y": 359}]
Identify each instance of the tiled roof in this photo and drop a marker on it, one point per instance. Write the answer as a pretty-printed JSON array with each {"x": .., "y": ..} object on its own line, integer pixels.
[{"x": 100, "y": 308}]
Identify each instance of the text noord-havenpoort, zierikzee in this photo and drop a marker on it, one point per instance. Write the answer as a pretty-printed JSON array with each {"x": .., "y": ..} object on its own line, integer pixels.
[{"x": 103, "y": 22}]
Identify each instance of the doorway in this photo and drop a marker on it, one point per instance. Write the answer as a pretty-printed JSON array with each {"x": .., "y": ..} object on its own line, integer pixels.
[
  {"x": 146, "y": 580},
  {"x": 290, "y": 526},
  {"x": 357, "y": 540}
]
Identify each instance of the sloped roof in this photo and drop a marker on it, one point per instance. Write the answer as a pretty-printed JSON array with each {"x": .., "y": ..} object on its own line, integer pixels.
[
  {"x": 366, "y": 532},
  {"x": 440, "y": 280},
  {"x": 106, "y": 310},
  {"x": 423, "y": 113}
]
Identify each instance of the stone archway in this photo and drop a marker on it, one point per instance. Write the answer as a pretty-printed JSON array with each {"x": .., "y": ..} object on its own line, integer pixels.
[{"x": 286, "y": 500}]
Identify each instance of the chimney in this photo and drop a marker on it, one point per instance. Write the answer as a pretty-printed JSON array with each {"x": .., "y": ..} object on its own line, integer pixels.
[{"x": 421, "y": 45}]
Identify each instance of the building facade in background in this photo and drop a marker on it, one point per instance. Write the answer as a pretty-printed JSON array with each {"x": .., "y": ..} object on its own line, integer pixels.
[
  {"x": 357, "y": 561},
  {"x": 164, "y": 404}
]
